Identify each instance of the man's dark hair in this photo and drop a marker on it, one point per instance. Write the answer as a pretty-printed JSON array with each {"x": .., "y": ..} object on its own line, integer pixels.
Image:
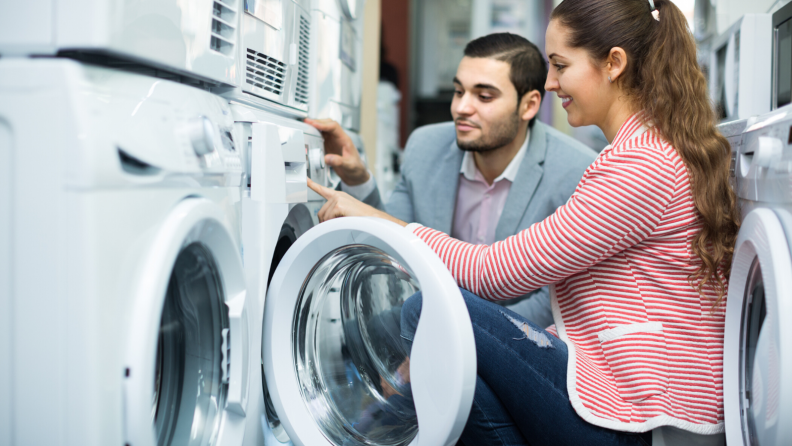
[{"x": 528, "y": 67}]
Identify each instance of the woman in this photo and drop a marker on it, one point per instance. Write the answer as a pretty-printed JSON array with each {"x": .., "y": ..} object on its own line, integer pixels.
[{"x": 638, "y": 257}]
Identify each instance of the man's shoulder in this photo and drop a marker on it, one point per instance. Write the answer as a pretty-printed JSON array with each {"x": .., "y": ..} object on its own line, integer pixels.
[
  {"x": 431, "y": 140},
  {"x": 564, "y": 147}
]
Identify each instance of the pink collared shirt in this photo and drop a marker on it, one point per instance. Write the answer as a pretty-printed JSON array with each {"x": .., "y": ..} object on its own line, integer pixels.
[{"x": 479, "y": 205}]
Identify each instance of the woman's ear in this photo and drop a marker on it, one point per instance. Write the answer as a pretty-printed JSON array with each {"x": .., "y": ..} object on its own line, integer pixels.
[
  {"x": 529, "y": 105},
  {"x": 616, "y": 63}
]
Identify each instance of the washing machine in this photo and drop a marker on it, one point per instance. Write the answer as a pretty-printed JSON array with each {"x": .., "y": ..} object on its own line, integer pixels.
[
  {"x": 126, "y": 317},
  {"x": 336, "y": 64},
  {"x": 332, "y": 294},
  {"x": 273, "y": 57},
  {"x": 758, "y": 335},
  {"x": 196, "y": 39},
  {"x": 336, "y": 369},
  {"x": 278, "y": 154}
]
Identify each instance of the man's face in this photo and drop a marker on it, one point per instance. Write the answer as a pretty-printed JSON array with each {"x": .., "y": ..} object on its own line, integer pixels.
[{"x": 485, "y": 106}]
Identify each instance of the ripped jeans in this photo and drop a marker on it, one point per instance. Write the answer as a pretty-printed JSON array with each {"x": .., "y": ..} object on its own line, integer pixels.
[{"x": 521, "y": 391}]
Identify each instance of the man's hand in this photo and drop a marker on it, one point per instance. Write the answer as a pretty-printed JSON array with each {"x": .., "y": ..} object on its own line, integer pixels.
[
  {"x": 340, "y": 153},
  {"x": 341, "y": 204}
]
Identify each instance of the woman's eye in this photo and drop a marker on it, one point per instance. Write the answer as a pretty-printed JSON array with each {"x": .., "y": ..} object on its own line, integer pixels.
[
  {"x": 485, "y": 98},
  {"x": 560, "y": 67},
  {"x": 457, "y": 92}
]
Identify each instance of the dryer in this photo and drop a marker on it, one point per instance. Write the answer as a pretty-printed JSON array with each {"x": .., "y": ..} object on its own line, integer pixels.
[
  {"x": 197, "y": 39},
  {"x": 273, "y": 56},
  {"x": 128, "y": 320},
  {"x": 758, "y": 335}
]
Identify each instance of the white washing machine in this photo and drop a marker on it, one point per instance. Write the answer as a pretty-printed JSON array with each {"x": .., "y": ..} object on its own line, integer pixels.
[
  {"x": 331, "y": 321},
  {"x": 758, "y": 336},
  {"x": 197, "y": 39},
  {"x": 273, "y": 56},
  {"x": 125, "y": 313},
  {"x": 336, "y": 368},
  {"x": 336, "y": 63},
  {"x": 277, "y": 207}
]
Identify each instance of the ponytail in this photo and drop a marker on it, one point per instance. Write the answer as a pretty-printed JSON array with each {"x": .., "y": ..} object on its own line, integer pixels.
[{"x": 664, "y": 80}]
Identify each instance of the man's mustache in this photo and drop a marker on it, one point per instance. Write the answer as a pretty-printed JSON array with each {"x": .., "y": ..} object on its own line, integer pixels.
[{"x": 466, "y": 122}]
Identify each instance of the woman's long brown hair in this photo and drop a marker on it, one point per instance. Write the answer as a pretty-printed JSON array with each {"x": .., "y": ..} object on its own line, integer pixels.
[{"x": 664, "y": 80}]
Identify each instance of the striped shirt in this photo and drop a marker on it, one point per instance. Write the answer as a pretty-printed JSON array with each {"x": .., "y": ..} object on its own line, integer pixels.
[{"x": 645, "y": 349}]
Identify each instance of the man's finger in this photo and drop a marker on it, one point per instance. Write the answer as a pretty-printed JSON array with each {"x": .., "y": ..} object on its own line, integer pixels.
[
  {"x": 325, "y": 192},
  {"x": 333, "y": 160},
  {"x": 323, "y": 125}
]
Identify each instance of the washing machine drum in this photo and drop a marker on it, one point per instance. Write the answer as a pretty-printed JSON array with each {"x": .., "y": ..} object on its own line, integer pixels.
[
  {"x": 758, "y": 338},
  {"x": 342, "y": 366},
  {"x": 188, "y": 388}
]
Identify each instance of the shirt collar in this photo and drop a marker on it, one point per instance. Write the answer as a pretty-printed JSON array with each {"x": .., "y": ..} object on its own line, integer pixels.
[{"x": 469, "y": 169}]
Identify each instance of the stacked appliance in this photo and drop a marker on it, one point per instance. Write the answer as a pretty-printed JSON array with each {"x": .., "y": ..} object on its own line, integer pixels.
[
  {"x": 129, "y": 321},
  {"x": 739, "y": 75}
]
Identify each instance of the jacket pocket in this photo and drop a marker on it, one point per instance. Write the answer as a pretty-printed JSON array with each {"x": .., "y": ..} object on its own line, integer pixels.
[{"x": 637, "y": 355}]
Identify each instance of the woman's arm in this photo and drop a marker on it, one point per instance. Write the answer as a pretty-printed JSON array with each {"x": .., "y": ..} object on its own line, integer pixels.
[{"x": 619, "y": 203}]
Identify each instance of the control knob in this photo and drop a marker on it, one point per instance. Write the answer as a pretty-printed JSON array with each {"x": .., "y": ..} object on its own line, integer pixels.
[{"x": 201, "y": 134}]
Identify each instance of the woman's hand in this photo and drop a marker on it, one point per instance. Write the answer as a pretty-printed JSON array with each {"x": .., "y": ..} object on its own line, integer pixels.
[{"x": 341, "y": 204}]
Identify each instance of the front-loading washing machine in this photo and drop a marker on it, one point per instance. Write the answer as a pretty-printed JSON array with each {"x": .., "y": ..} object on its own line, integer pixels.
[
  {"x": 278, "y": 155},
  {"x": 336, "y": 368},
  {"x": 332, "y": 294},
  {"x": 758, "y": 335},
  {"x": 125, "y": 312}
]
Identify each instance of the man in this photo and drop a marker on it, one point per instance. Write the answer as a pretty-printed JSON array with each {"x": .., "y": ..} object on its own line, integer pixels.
[{"x": 490, "y": 173}]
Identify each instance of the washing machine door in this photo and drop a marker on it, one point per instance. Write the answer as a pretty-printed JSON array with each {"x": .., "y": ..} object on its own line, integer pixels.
[
  {"x": 758, "y": 336},
  {"x": 186, "y": 380},
  {"x": 339, "y": 366}
]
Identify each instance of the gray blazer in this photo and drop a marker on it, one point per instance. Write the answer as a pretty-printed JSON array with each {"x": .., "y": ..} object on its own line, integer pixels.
[
  {"x": 427, "y": 189},
  {"x": 547, "y": 177}
]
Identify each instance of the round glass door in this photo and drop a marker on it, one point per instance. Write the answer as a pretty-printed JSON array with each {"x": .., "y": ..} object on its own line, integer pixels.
[
  {"x": 351, "y": 361},
  {"x": 189, "y": 386},
  {"x": 754, "y": 313}
]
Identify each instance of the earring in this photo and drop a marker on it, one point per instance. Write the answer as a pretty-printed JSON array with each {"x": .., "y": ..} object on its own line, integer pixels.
[{"x": 610, "y": 80}]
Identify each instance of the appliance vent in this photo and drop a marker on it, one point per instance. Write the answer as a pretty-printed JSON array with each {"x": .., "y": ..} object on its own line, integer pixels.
[
  {"x": 223, "y": 28},
  {"x": 301, "y": 93},
  {"x": 265, "y": 72}
]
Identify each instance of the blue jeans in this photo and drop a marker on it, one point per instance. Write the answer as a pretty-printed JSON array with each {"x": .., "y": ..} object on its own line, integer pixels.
[{"x": 521, "y": 393}]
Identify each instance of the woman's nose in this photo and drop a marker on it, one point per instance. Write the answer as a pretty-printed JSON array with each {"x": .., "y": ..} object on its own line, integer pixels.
[{"x": 551, "y": 84}]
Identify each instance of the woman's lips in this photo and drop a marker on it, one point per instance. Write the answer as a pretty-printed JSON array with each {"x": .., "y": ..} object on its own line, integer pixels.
[{"x": 565, "y": 101}]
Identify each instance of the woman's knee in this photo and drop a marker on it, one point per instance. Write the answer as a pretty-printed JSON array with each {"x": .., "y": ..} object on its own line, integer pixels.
[{"x": 410, "y": 315}]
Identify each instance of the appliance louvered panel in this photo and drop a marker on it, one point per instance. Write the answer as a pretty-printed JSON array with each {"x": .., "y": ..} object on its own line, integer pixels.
[
  {"x": 223, "y": 28},
  {"x": 301, "y": 92},
  {"x": 265, "y": 72}
]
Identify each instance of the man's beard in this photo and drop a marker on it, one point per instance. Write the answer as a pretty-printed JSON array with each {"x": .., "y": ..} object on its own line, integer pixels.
[{"x": 501, "y": 134}]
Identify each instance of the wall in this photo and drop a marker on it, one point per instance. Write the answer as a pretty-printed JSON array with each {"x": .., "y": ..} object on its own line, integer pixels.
[
  {"x": 396, "y": 28},
  {"x": 368, "y": 101}
]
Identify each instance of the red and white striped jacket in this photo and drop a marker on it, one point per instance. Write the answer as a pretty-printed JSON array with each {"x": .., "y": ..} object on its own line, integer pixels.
[{"x": 645, "y": 349}]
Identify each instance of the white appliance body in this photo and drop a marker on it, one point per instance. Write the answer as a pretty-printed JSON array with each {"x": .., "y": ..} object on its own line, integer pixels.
[
  {"x": 128, "y": 316},
  {"x": 272, "y": 56},
  {"x": 277, "y": 208},
  {"x": 740, "y": 72},
  {"x": 758, "y": 337},
  {"x": 197, "y": 39},
  {"x": 336, "y": 368},
  {"x": 336, "y": 61}
]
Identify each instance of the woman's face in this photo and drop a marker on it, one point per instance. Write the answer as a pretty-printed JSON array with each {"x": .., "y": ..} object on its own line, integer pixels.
[{"x": 582, "y": 85}]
